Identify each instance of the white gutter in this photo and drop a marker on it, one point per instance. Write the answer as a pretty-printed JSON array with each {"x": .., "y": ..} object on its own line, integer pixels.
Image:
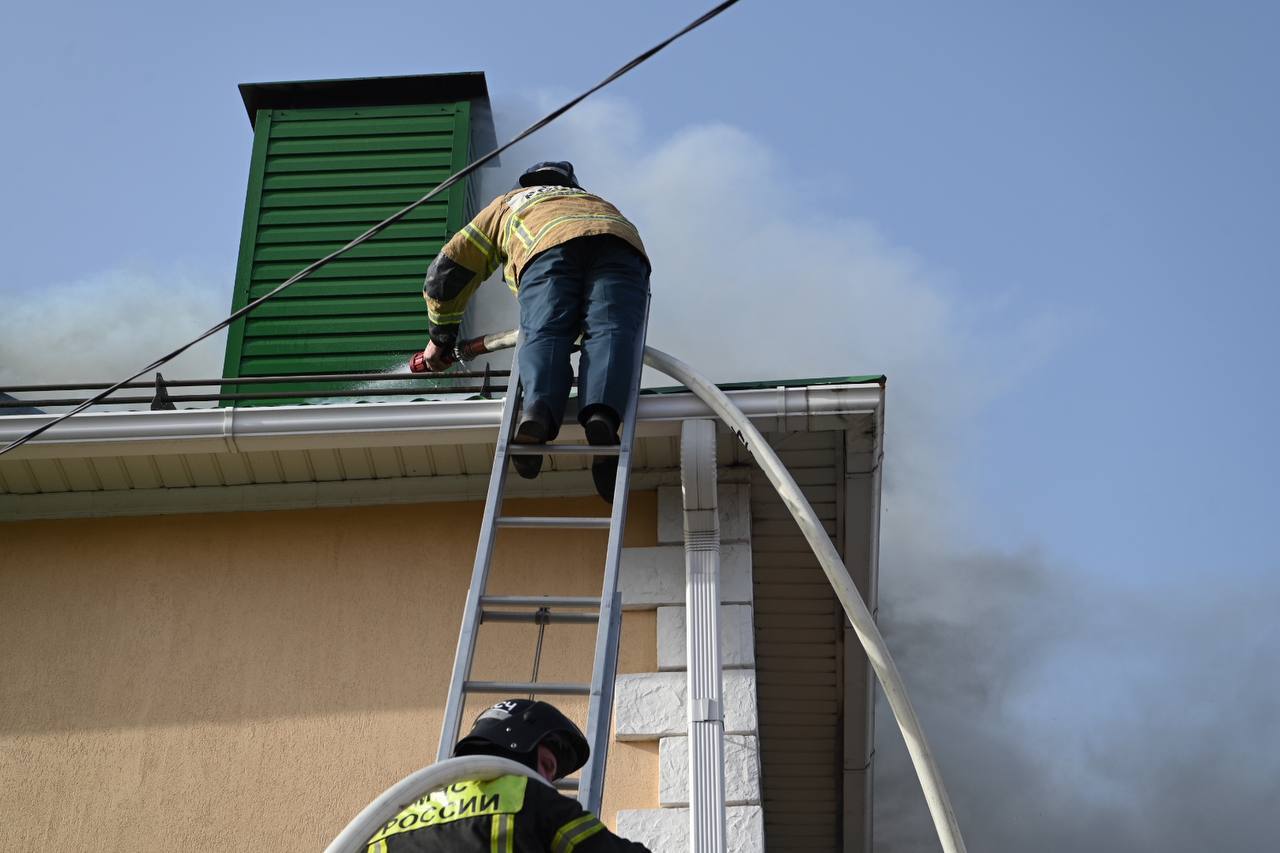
[{"x": 388, "y": 424}]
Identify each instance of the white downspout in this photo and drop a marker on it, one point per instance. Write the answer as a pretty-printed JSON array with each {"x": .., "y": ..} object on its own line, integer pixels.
[{"x": 702, "y": 636}]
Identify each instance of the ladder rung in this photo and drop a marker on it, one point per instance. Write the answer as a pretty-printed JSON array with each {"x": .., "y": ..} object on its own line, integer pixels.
[
  {"x": 525, "y": 616},
  {"x": 579, "y": 601},
  {"x": 593, "y": 522},
  {"x": 512, "y": 688},
  {"x": 564, "y": 449}
]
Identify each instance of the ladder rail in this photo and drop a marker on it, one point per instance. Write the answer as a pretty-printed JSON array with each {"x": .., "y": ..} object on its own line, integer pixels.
[
  {"x": 468, "y": 632},
  {"x": 604, "y": 668}
]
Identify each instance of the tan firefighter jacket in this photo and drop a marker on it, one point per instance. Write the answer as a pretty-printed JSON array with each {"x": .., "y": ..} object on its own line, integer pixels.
[{"x": 509, "y": 232}]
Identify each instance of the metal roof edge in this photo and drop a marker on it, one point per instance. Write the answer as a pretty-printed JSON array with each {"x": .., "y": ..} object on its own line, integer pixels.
[
  {"x": 757, "y": 384},
  {"x": 391, "y": 424}
]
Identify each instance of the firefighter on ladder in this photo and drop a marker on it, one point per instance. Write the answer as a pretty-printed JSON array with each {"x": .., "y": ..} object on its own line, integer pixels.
[
  {"x": 510, "y": 814},
  {"x": 577, "y": 266}
]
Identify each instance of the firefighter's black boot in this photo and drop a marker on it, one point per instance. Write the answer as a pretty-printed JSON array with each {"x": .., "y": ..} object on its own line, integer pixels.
[
  {"x": 601, "y": 427},
  {"x": 535, "y": 427}
]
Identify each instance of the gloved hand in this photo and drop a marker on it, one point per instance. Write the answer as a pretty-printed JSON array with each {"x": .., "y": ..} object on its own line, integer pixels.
[{"x": 434, "y": 359}]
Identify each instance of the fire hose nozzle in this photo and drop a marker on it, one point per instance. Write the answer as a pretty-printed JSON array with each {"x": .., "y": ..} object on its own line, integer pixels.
[{"x": 467, "y": 350}]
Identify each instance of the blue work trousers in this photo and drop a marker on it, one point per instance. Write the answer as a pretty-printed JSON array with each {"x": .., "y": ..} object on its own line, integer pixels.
[{"x": 597, "y": 286}]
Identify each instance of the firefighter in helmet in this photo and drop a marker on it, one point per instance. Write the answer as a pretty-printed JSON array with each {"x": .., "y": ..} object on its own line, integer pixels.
[
  {"x": 510, "y": 814},
  {"x": 576, "y": 265}
]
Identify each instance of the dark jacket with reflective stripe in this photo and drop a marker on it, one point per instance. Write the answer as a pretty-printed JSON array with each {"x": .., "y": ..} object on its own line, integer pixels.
[
  {"x": 510, "y": 814},
  {"x": 508, "y": 233}
]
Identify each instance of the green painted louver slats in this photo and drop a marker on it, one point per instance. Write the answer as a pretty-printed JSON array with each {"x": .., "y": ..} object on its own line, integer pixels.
[
  {"x": 362, "y": 215},
  {"x": 318, "y": 178}
]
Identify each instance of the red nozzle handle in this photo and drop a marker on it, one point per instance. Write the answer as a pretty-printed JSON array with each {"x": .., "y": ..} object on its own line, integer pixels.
[{"x": 418, "y": 364}]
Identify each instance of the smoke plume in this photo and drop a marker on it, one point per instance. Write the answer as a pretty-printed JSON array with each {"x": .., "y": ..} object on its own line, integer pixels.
[
  {"x": 110, "y": 324},
  {"x": 1069, "y": 710}
]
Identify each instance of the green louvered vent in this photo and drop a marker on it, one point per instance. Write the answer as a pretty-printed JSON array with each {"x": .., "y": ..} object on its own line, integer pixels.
[{"x": 318, "y": 178}]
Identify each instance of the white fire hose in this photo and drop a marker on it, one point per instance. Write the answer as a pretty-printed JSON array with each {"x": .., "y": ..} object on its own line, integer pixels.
[
  {"x": 935, "y": 793},
  {"x": 394, "y": 800}
]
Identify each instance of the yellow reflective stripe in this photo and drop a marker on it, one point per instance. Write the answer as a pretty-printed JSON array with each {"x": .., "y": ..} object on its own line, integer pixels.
[
  {"x": 557, "y": 842},
  {"x": 517, "y": 225},
  {"x": 580, "y": 217},
  {"x": 477, "y": 238},
  {"x": 502, "y": 834},
  {"x": 480, "y": 239},
  {"x": 379, "y": 846},
  {"x": 438, "y": 317},
  {"x": 459, "y": 801},
  {"x": 574, "y": 832},
  {"x": 516, "y": 220},
  {"x": 584, "y": 835}
]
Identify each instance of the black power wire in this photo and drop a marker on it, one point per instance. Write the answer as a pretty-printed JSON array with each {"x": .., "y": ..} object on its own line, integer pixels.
[{"x": 390, "y": 220}]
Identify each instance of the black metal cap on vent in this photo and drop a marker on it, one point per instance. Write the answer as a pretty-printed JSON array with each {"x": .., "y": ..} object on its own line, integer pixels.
[
  {"x": 364, "y": 92},
  {"x": 381, "y": 92}
]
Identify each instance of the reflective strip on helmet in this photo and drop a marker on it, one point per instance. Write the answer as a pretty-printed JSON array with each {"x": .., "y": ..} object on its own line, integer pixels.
[
  {"x": 503, "y": 834},
  {"x": 574, "y": 832}
]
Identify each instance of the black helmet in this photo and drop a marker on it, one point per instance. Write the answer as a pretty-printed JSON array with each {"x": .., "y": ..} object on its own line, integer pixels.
[
  {"x": 513, "y": 728},
  {"x": 555, "y": 173}
]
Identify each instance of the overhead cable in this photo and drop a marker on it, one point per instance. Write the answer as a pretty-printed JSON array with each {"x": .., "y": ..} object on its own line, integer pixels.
[{"x": 390, "y": 220}]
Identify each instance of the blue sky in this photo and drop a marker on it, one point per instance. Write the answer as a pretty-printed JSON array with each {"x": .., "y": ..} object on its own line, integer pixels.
[{"x": 1089, "y": 191}]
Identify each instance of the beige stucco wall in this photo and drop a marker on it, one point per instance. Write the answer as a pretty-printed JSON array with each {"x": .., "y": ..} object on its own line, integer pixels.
[{"x": 251, "y": 680}]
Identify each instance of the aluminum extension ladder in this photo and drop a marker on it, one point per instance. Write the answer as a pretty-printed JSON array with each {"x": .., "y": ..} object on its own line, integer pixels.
[{"x": 606, "y": 610}]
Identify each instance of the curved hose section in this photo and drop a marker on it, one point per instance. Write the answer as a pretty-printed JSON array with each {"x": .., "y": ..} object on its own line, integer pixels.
[
  {"x": 935, "y": 793},
  {"x": 392, "y": 801},
  {"x": 944, "y": 819}
]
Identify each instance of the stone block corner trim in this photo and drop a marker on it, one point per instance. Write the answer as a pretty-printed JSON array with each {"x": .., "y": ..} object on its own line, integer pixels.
[
  {"x": 655, "y": 576},
  {"x": 667, "y": 830},
  {"x": 648, "y": 706},
  {"x": 741, "y": 771},
  {"x": 737, "y": 637}
]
